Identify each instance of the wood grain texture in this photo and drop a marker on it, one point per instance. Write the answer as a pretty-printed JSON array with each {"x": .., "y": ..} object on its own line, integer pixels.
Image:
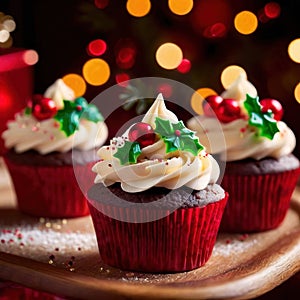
[{"x": 241, "y": 266}]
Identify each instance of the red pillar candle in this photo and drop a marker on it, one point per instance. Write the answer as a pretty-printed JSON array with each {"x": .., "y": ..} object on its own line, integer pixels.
[{"x": 16, "y": 83}]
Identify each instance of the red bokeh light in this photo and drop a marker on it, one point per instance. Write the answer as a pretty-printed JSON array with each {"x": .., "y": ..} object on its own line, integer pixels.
[
  {"x": 122, "y": 79},
  {"x": 96, "y": 47},
  {"x": 216, "y": 30},
  {"x": 185, "y": 66},
  {"x": 211, "y": 18},
  {"x": 272, "y": 10},
  {"x": 166, "y": 90},
  {"x": 101, "y": 3}
]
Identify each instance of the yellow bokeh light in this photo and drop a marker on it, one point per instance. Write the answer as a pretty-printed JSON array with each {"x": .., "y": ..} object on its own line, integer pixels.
[
  {"x": 138, "y": 8},
  {"x": 245, "y": 22},
  {"x": 181, "y": 7},
  {"x": 297, "y": 92},
  {"x": 169, "y": 56},
  {"x": 96, "y": 71},
  {"x": 76, "y": 83},
  {"x": 294, "y": 50},
  {"x": 230, "y": 74},
  {"x": 198, "y": 97}
]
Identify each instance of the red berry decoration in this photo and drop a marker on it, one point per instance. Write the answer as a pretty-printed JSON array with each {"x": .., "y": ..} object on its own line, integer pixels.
[
  {"x": 142, "y": 133},
  {"x": 211, "y": 104},
  {"x": 273, "y": 105},
  {"x": 43, "y": 108},
  {"x": 228, "y": 111}
]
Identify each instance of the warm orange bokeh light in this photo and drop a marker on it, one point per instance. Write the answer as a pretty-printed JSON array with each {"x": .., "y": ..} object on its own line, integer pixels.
[
  {"x": 198, "y": 97},
  {"x": 245, "y": 22},
  {"x": 297, "y": 92},
  {"x": 230, "y": 74},
  {"x": 181, "y": 7},
  {"x": 138, "y": 8},
  {"x": 96, "y": 71},
  {"x": 76, "y": 83},
  {"x": 169, "y": 56},
  {"x": 294, "y": 50}
]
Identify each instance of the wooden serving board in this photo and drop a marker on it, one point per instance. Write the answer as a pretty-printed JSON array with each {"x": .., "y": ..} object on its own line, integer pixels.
[{"x": 61, "y": 257}]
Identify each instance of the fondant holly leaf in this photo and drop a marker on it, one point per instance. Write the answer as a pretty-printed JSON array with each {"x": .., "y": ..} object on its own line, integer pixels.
[
  {"x": 69, "y": 117},
  {"x": 266, "y": 125},
  {"x": 177, "y": 137},
  {"x": 128, "y": 153}
]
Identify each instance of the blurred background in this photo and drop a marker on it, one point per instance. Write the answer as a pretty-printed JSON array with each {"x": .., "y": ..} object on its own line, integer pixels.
[{"x": 95, "y": 44}]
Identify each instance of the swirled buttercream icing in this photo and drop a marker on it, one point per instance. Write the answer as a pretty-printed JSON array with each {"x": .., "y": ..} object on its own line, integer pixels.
[
  {"x": 45, "y": 127},
  {"x": 167, "y": 155},
  {"x": 251, "y": 129}
]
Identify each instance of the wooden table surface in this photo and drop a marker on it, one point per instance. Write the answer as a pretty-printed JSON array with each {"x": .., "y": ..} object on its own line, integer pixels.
[{"x": 60, "y": 256}]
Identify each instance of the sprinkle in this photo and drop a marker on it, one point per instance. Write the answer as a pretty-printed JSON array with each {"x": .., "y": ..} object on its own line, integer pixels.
[
  {"x": 107, "y": 148},
  {"x": 48, "y": 224},
  {"x": 52, "y": 257},
  {"x": 3, "y": 241},
  {"x": 42, "y": 220},
  {"x": 56, "y": 249},
  {"x": 79, "y": 249},
  {"x": 110, "y": 165},
  {"x": 64, "y": 221}
]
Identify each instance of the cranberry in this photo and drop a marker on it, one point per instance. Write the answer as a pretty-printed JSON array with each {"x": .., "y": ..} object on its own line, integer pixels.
[
  {"x": 43, "y": 108},
  {"x": 142, "y": 133},
  {"x": 274, "y": 106}
]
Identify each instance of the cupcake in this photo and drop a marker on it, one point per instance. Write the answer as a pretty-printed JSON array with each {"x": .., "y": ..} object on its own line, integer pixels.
[
  {"x": 155, "y": 204},
  {"x": 41, "y": 151},
  {"x": 261, "y": 170}
]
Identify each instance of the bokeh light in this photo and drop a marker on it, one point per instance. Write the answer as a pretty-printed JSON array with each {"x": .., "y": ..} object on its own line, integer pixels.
[
  {"x": 96, "y": 47},
  {"x": 245, "y": 22},
  {"x": 166, "y": 90},
  {"x": 96, "y": 71},
  {"x": 76, "y": 83},
  {"x": 230, "y": 74},
  {"x": 297, "y": 92},
  {"x": 211, "y": 18},
  {"x": 122, "y": 79},
  {"x": 138, "y": 8},
  {"x": 294, "y": 50},
  {"x": 272, "y": 10},
  {"x": 126, "y": 57},
  {"x": 184, "y": 66},
  {"x": 169, "y": 56},
  {"x": 30, "y": 57},
  {"x": 101, "y": 3},
  {"x": 181, "y": 7},
  {"x": 4, "y": 35},
  {"x": 198, "y": 97}
]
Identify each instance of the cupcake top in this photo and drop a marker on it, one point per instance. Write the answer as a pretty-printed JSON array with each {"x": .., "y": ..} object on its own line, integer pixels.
[
  {"x": 252, "y": 128},
  {"x": 50, "y": 122},
  {"x": 159, "y": 151}
]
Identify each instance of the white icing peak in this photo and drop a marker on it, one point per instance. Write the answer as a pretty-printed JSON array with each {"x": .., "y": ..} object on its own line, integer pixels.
[
  {"x": 155, "y": 167},
  {"x": 239, "y": 89},
  {"x": 58, "y": 92}
]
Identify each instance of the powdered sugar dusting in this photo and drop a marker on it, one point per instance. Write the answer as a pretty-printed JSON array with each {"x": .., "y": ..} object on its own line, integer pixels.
[{"x": 231, "y": 247}]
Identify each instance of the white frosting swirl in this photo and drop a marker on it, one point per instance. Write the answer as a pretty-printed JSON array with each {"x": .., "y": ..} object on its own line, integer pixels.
[
  {"x": 241, "y": 140},
  {"x": 25, "y": 132},
  {"x": 58, "y": 92},
  {"x": 155, "y": 167}
]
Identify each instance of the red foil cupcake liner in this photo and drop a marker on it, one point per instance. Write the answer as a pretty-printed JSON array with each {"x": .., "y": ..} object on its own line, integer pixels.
[
  {"x": 49, "y": 191},
  {"x": 180, "y": 241},
  {"x": 257, "y": 202}
]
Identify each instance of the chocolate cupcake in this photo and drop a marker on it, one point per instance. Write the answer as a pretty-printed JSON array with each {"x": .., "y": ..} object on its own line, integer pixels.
[
  {"x": 41, "y": 151},
  {"x": 261, "y": 171},
  {"x": 155, "y": 204}
]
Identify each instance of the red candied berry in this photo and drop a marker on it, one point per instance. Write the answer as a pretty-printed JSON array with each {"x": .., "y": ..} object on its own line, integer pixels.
[
  {"x": 142, "y": 133},
  {"x": 211, "y": 105},
  {"x": 43, "y": 108},
  {"x": 273, "y": 105},
  {"x": 228, "y": 111}
]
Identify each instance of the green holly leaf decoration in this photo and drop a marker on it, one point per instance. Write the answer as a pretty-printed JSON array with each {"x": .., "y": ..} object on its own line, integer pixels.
[
  {"x": 263, "y": 121},
  {"x": 128, "y": 153},
  {"x": 177, "y": 137},
  {"x": 69, "y": 117}
]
